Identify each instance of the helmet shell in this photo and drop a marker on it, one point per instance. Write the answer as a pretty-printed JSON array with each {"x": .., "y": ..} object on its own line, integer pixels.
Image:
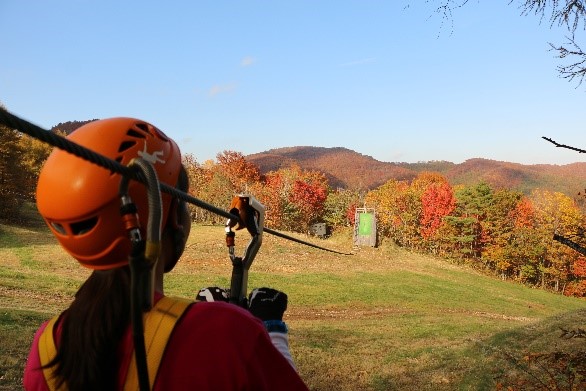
[{"x": 79, "y": 200}]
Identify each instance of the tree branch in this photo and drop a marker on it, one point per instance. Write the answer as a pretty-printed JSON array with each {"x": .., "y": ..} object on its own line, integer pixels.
[
  {"x": 564, "y": 146},
  {"x": 569, "y": 14},
  {"x": 564, "y": 13},
  {"x": 575, "y": 70},
  {"x": 570, "y": 243}
]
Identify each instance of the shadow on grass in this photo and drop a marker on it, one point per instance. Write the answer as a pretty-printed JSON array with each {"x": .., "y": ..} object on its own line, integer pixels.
[
  {"x": 534, "y": 357},
  {"x": 29, "y": 229}
]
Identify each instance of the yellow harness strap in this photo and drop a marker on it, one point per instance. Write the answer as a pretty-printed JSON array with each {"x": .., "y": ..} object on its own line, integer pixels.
[
  {"x": 47, "y": 352},
  {"x": 158, "y": 326}
]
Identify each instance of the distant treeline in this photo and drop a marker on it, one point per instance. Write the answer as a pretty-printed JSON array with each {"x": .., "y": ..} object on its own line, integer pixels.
[
  {"x": 69, "y": 126},
  {"x": 501, "y": 231}
]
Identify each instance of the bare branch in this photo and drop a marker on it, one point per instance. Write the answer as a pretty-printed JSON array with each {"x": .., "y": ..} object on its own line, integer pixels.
[
  {"x": 565, "y": 13},
  {"x": 569, "y": 13},
  {"x": 573, "y": 9},
  {"x": 564, "y": 146},
  {"x": 575, "y": 70},
  {"x": 570, "y": 243},
  {"x": 445, "y": 10}
]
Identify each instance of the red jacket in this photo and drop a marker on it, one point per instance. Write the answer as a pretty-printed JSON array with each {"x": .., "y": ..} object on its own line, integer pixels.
[{"x": 214, "y": 346}]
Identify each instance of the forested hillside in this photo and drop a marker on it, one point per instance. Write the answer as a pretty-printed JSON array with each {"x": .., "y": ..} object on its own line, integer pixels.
[
  {"x": 498, "y": 217},
  {"x": 69, "y": 126},
  {"x": 349, "y": 169},
  {"x": 343, "y": 167}
]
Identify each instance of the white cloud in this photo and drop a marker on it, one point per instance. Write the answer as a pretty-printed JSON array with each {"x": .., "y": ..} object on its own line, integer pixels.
[
  {"x": 247, "y": 61},
  {"x": 222, "y": 88}
]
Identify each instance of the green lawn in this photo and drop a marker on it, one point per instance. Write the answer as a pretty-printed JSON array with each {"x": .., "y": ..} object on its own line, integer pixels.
[{"x": 381, "y": 319}]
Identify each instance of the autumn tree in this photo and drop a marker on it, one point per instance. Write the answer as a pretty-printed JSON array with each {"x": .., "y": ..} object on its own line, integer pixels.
[
  {"x": 216, "y": 182},
  {"x": 68, "y": 127},
  {"x": 388, "y": 201},
  {"x": 237, "y": 170},
  {"x": 555, "y": 212},
  {"x": 577, "y": 285},
  {"x": 437, "y": 202},
  {"x": 21, "y": 159},
  {"x": 294, "y": 198},
  {"x": 272, "y": 194},
  {"x": 309, "y": 199},
  {"x": 12, "y": 173},
  {"x": 34, "y": 153},
  {"x": 510, "y": 240},
  {"x": 198, "y": 182},
  {"x": 340, "y": 207},
  {"x": 306, "y": 198},
  {"x": 401, "y": 211}
]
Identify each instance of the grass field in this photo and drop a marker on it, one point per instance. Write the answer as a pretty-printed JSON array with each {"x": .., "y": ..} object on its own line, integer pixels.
[{"x": 380, "y": 319}]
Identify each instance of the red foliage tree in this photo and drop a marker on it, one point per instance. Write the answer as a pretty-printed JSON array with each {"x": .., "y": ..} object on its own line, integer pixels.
[
  {"x": 351, "y": 213},
  {"x": 579, "y": 269},
  {"x": 309, "y": 198},
  {"x": 293, "y": 197},
  {"x": 437, "y": 201},
  {"x": 524, "y": 214}
]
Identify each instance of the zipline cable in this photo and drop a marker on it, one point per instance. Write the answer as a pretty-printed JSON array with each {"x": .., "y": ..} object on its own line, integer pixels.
[
  {"x": 276, "y": 233},
  {"x": 13, "y": 122},
  {"x": 80, "y": 151}
]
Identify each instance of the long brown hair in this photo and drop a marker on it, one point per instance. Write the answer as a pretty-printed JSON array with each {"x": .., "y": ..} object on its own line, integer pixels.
[{"x": 92, "y": 328}]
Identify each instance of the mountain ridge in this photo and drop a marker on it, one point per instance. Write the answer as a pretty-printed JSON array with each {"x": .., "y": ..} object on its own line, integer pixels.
[{"x": 346, "y": 168}]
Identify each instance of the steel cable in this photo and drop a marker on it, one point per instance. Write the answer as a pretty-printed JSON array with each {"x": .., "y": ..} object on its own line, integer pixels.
[{"x": 24, "y": 126}]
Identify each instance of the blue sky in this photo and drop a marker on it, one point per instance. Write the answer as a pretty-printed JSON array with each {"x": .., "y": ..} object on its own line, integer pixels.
[{"x": 396, "y": 83}]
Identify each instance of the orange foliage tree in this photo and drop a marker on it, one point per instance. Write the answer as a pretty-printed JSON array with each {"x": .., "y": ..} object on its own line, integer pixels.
[
  {"x": 510, "y": 239},
  {"x": 577, "y": 287},
  {"x": 237, "y": 169},
  {"x": 555, "y": 212},
  {"x": 388, "y": 203},
  {"x": 217, "y": 182},
  {"x": 293, "y": 198},
  {"x": 271, "y": 193}
]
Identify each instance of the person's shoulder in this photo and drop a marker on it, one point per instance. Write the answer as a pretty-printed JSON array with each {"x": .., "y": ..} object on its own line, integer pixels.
[
  {"x": 212, "y": 312},
  {"x": 218, "y": 324}
]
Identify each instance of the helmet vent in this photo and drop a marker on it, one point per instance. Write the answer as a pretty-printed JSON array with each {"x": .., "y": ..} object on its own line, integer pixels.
[
  {"x": 143, "y": 127},
  {"x": 126, "y": 145},
  {"x": 58, "y": 227},
  {"x": 134, "y": 133},
  {"x": 84, "y": 226}
]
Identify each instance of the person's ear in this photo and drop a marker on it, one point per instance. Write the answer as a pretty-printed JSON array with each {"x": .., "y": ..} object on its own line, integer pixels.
[{"x": 178, "y": 226}]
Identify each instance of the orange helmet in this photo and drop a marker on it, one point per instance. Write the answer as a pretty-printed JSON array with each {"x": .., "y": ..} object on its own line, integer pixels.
[{"x": 79, "y": 200}]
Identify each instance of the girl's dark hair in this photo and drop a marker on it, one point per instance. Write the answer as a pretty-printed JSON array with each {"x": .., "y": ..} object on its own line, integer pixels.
[
  {"x": 177, "y": 233},
  {"x": 94, "y": 324},
  {"x": 92, "y": 328}
]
